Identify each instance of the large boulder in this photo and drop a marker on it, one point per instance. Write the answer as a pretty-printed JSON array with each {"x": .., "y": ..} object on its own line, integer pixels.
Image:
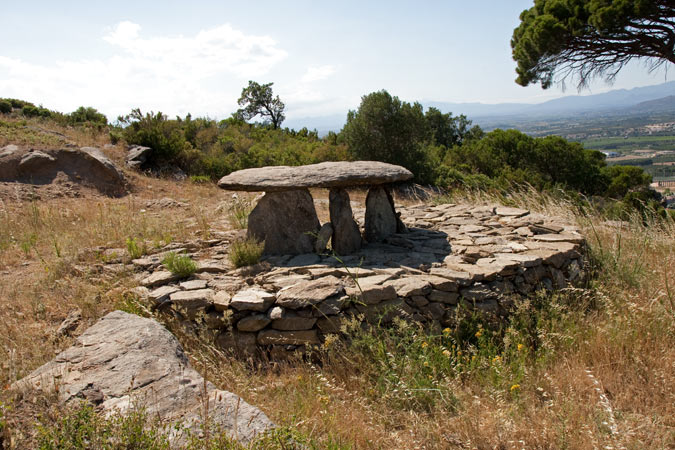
[
  {"x": 87, "y": 166},
  {"x": 286, "y": 221},
  {"x": 125, "y": 359},
  {"x": 325, "y": 175}
]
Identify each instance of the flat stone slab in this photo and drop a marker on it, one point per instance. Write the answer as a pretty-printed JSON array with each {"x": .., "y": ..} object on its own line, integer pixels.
[
  {"x": 322, "y": 175},
  {"x": 123, "y": 359}
]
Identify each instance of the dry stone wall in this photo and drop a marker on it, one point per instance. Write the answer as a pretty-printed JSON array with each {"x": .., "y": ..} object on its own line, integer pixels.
[{"x": 475, "y": 257}]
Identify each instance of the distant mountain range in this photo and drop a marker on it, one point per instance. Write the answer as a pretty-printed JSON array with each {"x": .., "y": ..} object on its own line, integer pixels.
[{"x": 641, "y": 100}]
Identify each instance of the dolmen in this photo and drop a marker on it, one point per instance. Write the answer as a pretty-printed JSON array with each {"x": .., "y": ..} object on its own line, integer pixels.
[{"x": 285, "y": 217}]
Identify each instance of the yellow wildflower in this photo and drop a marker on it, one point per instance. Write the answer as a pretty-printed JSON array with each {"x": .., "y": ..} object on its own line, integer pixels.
[
  {"x": 426, "y": 363},
  {"x": 496, "y": 359},
  {"x": 520, "y": 347},
  {"x": 479, "y": 333},
  {"x": 446, "y": 331},
  {"x": 447, "y": 353},
  {"x": 424, "y": 345},
  {"x": 514, "y": 387}
]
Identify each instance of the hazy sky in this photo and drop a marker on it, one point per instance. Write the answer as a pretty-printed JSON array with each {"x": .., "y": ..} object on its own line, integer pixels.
[{"x": 196, "y": 56}]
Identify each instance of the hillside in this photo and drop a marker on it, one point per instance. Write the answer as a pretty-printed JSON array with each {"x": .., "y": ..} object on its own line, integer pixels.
[{"x": 586, "y": 367}]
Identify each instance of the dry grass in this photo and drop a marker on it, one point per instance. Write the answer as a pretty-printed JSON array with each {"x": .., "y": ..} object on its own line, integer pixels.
[{"x": 602, "y": 376}]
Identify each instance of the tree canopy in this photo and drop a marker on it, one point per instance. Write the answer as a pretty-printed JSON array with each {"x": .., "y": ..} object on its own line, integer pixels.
[
  {"x": 258, "y": 99},
  {"x": 386, "y": 129},
  {"x": 584, "y": 39}
]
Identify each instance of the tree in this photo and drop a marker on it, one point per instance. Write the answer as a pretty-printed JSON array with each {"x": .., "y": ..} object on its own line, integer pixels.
[
  {"x": 584, "y": 39},
  {"x": 447, "y": 130},
  {"x": 257, "y": 99},
  {"x": 386, "y": 129}
]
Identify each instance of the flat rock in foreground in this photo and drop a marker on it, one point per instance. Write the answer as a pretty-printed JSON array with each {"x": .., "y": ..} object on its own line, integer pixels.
[
  {"x": 322, "y": 175},
  {"x": 124, "y": 359}
]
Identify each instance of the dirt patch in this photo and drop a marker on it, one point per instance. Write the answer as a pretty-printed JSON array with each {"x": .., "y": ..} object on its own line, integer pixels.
[{"x": 29, "y": 174}]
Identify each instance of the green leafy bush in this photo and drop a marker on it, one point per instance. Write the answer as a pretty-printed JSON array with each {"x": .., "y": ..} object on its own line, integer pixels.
[
  {"x": 87, "y": 115},
  {"x": 246, "y": 252},
  {"x": 5, "y": 107},
  {"x": 179, "y": 265}
]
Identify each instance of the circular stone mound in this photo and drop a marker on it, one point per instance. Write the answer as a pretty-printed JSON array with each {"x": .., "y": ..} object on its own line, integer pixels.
[{"x": 471, "y": 257}]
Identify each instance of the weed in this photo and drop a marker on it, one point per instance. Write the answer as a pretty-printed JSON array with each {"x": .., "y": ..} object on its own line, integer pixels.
[
  {"x": 179, "y": 265},
  {"x": 239, "y": 212},
  {"x": 246, "y": 252},
  {"x": 135, "y": 250}
]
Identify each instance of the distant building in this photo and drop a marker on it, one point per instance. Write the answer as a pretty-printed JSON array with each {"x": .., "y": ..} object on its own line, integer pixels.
[{"x": 610, "y": 154}]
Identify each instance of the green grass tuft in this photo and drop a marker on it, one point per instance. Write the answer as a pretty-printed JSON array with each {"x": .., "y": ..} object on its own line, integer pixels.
[
  {"x": 180, "y": 265},
  {"x": 246, "y": 252}
]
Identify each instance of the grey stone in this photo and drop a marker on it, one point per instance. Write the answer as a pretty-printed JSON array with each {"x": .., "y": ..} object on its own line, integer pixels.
[
  {"x": 124, "y": 357},
  {"x": 252, "y": 299},
  {"x": 460, "y": 277},
  {"x": 323, "y": 237},
  {"x": 371, "y": 291},
  {"x": 331, "y": 306},
  {"x": 193, "y": 284},
  {"x": 138, "y": 156},
  {"x": 192, "y": 302},
  {"x": 419, "y": 300},
  {"x": 276, "y": 337},
  {"x": 346, "y": 235},
  {"x": 254, "y": 322},
  {"x": 286, "y": 222},
  {"x": 306, "y": 259},
  {"x": 290, "y": 321},
  {"x": 331, "y": 324},
  {"x": 380, "y": 221},
  {"x": 409, "y": 286},
  {"x": 478, "y": 293},
  {"x": 308, "y": 293},
  {"x": 161, "y": 294},
  {"x": 221, "y": 301},
  {"x": 434, "y": 311},
  {"x": 449, "y": 298},
  {"x": 510, "y": 212},
  {"x": 442, "y": 283},
  {"x": 325, "y": 175},
  {"x": 238, "y": 343},
  {"x": 159, "y": 278},
  {"x": 70, "y": 323}
]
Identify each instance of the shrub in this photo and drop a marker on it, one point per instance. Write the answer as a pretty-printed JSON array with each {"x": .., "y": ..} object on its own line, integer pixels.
[
  {"x": 88, "y": 114},
  {"x": 200, "y": 179},
  {"x": 180, "y": 265},
  {"x": 246, "y": 252},
  {"x": 5, "y": 107}
]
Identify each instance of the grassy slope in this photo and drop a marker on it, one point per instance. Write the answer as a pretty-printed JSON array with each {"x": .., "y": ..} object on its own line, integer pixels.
[{"x": 587, "y": 369}]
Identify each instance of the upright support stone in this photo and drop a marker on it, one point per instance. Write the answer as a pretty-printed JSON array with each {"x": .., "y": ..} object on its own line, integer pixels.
[
  {"x": 381, "y": 220},
  {"x": 286, "y": 221},
  {"x": 346, "y": 234}
]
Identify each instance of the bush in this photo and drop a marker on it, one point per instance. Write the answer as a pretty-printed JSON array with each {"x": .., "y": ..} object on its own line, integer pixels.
[
  {"x": 88, "y": 114},
  {"x": 5, "y": 107},
  {"x": 246, "y": 252},
  {"x": 179, "y": 265}
]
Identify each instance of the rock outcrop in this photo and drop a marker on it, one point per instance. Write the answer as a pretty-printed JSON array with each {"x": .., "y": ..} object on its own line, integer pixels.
[
  {"x": 86, "y": 166},
  {"x": 124, "y": 359}
]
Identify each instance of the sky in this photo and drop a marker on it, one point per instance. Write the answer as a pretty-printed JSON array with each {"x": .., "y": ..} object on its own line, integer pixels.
[{"x": 180, "y": 57}]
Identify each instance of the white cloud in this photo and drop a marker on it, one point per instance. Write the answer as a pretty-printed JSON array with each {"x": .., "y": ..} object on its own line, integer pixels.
[
  {"x": 316, "y": 73},
  {"x": 168, "y": 73}
]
